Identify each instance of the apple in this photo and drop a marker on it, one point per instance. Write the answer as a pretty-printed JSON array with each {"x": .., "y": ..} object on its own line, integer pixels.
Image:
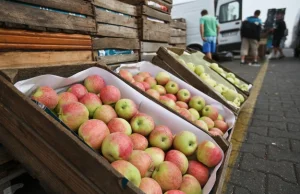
[
  {"x": 241, "y": 97},
  {"x": 161, "y": 137},
  {"x": 186, "y": 114},
  {"x": 223, "y": 74},
  {"x": 155, "y": 94},
  {"x": 78, "y": 90},
  {"x": 151, "y": 81},
  {"x": 157, "y": 155},
  {"x": 211, "y": 112},
  {"x": 191, "y": 66},
  {"x": 183, "y": 95},
  {"x": 174, "y": 192},
  {"x": 190, "y": 185},
  {"x": 219, "y": 88},
  {"x": 139, "y": 85},
  {"x": 230, "y": 75},
  {"x": 181, "y": 61},
  {"x": 144, "y": 74},
  {"x": 172, "y": 87},
  {"x": 93, "y": 133},
  {"x": 211, "y": 82},
  {"x": 230, "y": 95},
  {"x": 220, "y": 117},
  {"x": 105, "y": 113},
  {"x": 230, "y": 79},
  {"x": 142, "y": 123},
  {"x": 245, "y": 87},
  {"x": 119, "y": 125},
  {"x": 167, "y": 101},
  {"x": 209, "y": 154},
  {"x": 65, "y": 98},
  {"x": 146, "y": 86},
  {"x": 168, "y": 176},
  {"x": 199, "y": 69},
  {"x": 237, "y": 102},
  {"x": 201, "y": 124},
  {"x": 126, "y": 75},
  {"x": 161, "y": 90},
  {"x": 91, "y": 102},
  {"x": 204, "y": 76},
  {"x": 128, "y": 170},
  {"x": 110, "y": 94},
  {"x": 197, "y": 102},
  {"x": 179, "y": 159},
  {"x": 117, "y": 146},
  {"x": 214, "y": 66},
  {"x": 199, "y": 171},
  {"x": 139, "y": 141},
  {"x": 210, "y": 123},
  {"x": 220, "y": 70},
  {"x": 47, "y": 96},
  {"x": 216, "y": 132},
  {"x": 186, "y": 142},
  {"x": 171, "y": 96},
  {"x": 195, "y": 113},
  {"x": 150, "y": 186},
  {"x": 162, "y": 78},
  {"x": 94, "y": 83},
  {"x": 126, "y": 108},
  {"x": 182, "y": 104},
  {"x": 142, "y": 161},
  {"x": 73, "y": 115},
  {"x": 223, "y": 126},
  {"x": 138, "y": 78},
  {"x": 236, "y": 81}
]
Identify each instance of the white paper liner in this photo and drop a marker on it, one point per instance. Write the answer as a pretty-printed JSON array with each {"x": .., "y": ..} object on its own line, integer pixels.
[{"x": 160, "y": 115}]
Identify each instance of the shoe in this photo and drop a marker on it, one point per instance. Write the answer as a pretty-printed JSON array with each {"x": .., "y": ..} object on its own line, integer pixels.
[
  {"x": 255, "y": 64},
  {"x": 243, "y": 63}
]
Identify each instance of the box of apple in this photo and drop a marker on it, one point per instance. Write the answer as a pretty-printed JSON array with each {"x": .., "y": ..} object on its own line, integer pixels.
[
  {"x": 187, "y": 101},
  {"x": 152, "y": 147}
]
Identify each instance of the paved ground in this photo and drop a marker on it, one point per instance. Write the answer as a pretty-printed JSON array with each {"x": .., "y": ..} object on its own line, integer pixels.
[{"x": 268, "y": 158}]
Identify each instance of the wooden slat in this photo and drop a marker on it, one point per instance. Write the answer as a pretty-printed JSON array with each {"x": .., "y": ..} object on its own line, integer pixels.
[
  {"x": 147, "y": 56},
  {"x": 117, "y": 6},
  {"x": 19, "y": 14},
  {"x": 119, "y": 58},
  {"x": 118, "y": 43},
  {"x": 181, "y": 46},
  {"x": 178, "y": 40},
  {"x": 116, "y": 31},
  {"x": 178, "y": 24},
  {"x": 148, "y": 11},
  {"x": 112, "y": 18},
  {"x": 155, "y": 31},
  {"x": 11, "y": 46},
  {"x": 76, "y": 6},
  {"x": 144, "y": 2},
  {"x": 178, "y": 32},
  {"x": 168, "y": 1},
  {"x": 34, "y": 59},
  {"x": 151, "y": 46}
]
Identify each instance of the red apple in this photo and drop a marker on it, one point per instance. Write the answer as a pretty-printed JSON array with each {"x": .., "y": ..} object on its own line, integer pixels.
[
  {"x": 65, "y": 98},
  {"x": 47, "y": 96},
  {"x": 182, "y": 104},
  {"x": 119, "y": 125},
  {"x": 155, "y": 94},
  {"x": 142, "y": 123},
  {"x": 128, "y": 170},
  {"x": 105, "y": 113},
  {"x": 150, "y": 186},
  {"x": 161, "y": 137},
  {"x": 186, "y": 114},
  {"x": 179, "y": 159},
  {"x": 139, "y": 141},
  {"x": 151, "y": 81},
  {"x": 195, "y": 113},
  {"x": 138, "y": 78},
  {"x": 126, "y": 75},
  {"x": 92, "y": 102},
  {"x": 139, "y": 85},
  {"x": 167, "y": 101},
  {"x": 183, "y": 95},
  {"x": 210, "y": 123},
  {"x": 157, "y": 155},
  {"x": 201, "y": 124},
  {"x": 216, "y": 132},
  {"x": 171, "y": 96},
  {"x": 142, "y": 161},
  {"x": 199, "y": 171},
  {"x": 162, "y": 78},
  {"x": 146, "y": 86},
  {"x": 211, "y": 112},
  {"x": 78, "y": 90},
  {"x": 190, "y": 185},
  {"x": 161, "y": 90},
  {"x": 174, "y": 192},
  {"x": 94, "y": 83},
  {"x": 126, "y": 108},
  {"x": 110, "y": 94},
  {"x": 144, "y": 74},
  {"x": 209, "y": 154},
  {"x": 221, "y": 125}
]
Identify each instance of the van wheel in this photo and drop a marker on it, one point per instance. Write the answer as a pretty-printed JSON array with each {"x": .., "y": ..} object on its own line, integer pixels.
[{"x": 195, "y": 47}]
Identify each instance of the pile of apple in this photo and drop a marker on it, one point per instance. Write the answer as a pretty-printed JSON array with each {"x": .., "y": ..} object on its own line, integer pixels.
[
  {"x": 168, "y": 92},
  {"x": 148, "y": 155},
  {"x": 232, "y": 96}
]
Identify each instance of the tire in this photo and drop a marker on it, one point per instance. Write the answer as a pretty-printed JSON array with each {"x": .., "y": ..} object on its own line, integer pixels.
[{"x": 195, "y": 47}]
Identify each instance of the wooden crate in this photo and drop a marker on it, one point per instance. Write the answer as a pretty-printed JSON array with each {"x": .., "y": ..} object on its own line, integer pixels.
[
  {"x": 26, "y": 14},
  {"x": 149, "y": 49},
  {"x": 192, "y": 78},
  {"x": 55, "y": 155},
  {"x": 165, "y": 3},
  {"x": 178, "y": 33}
]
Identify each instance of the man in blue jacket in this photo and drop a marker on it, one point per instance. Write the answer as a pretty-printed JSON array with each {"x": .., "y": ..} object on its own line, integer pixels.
[{"x": 250, "y": 33}]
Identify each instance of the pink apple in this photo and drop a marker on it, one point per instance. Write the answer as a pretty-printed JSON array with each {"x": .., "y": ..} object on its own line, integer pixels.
[
  {"x": 209, "y": 154},
  {"x": 183, "y": 95},
  {"x": 126, "y": 108},
  {"x": 94, "y": 83},
  {"x": 119, "y": 125},
  {"x": 144, "y": 74},
  {"x": 157, "y": 155},
  {"x": 171, "y": 96},
  {"x": 142, "y": 123},
  {"x": 161, "y": 90},
  {"x": 190, "y": 185},
  {"x": 128, "y": 170},
  {"x": 151, "y": 81},
  {"x": 142, "y": 161},
  {"x": 221, "y": 125},
  {"x": 197, "y": 102},
  {"x": 117, "y": 146},
  {"x": 138, "y": 78},
  {"x": 110, "y": 94},
  {"x": 211, "y": 112},
  {"x": 186, "y": 142},
  {"x": 146, "y": 86},
  {"x": 93, "y": 133},
  {"x": 177, "y": 108},
  {"x": 174, "y": 192},
  {"x": 161, "y": 137},
  {"x": 139, "y": 141},
  {"x": 199, "y": 171},
  {"x": 172, "y": 87},
  {"x": 139, "y": 85},
  {"x": 78, "y": 90},
  {"x": 168, "y": 176},
  {"x": 150, "y": 186},
  {"x": 91, "y": 101},
  {"x": 179, "y": 159},
  {"x": 182, "y": 104},
  {"x": 162, "y": 78},
  {"x": 105, "y": 113},
  {"x": 186, "y": 114},
  {"x": 155, "y": 94},
  {"x": 167, "y": 101},
  {"x": 47, "y": 96},
  {"x": 201, "y": 124},
  {"x": 126, "y": 75},
  {"x": 220, "y": 117},
  {"x": 73, "y": 115},
  {"x": 215, "y": 132},
  {"x": 65, "y": 98},
  {"x": 210, "y": 123}
]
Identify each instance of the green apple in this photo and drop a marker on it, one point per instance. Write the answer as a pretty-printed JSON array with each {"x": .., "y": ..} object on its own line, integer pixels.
[
  {"x": 142, "y": 123},
  {"x": 157, "y": 155},
  {"x": 244, "y": 87},
  {"x": 214, "y": 66},
  {"x": 230, "y": 79},
  {"x": 181, "y": 61},
  {"x": 230, "y": 75},
  {"x": 161, "y": 137},
  {"x": 126, "y": 108},
  {"x": 199, "y": 69},
  {"x": 223, "y": 74},
  {"x": 202, "y": 124},
  {"x": 190, "y": 185},
  {"x": 167, "y": 101},
  {"x": 237, "y": 102},
  {"x": 211, "y": 82},
  {"x": 219, "y": 88},
  {"x": 161, "y": 90},
  {"x": 183, "y": 95},
  {"x": 241, "y": 97},
  {"x": 230, "y": 95},
  {"x": 191, "y": 66},
  {"x": 172, "y": 87},
  {"x": 236, "y": 81},
  {"x": 195, "y": 113},
  {"x": 197, "y": 102},
  {"x": 162, "y": 78},
  {"x": 128, "y": 170},
  {"x": 204, "y": 76},
  {"x": 219, "y": 70},
  {"x": 186, "y": 142}
]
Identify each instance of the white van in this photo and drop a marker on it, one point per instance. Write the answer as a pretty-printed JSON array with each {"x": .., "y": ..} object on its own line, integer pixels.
[{"x": 228, "y": 13}]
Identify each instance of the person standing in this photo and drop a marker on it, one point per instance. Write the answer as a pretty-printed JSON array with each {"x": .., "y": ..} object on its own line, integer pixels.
[
  {"x": 209, "y": 30},
  {"x": 250, "y": 33},
  {"x": 279, "y": 34}
]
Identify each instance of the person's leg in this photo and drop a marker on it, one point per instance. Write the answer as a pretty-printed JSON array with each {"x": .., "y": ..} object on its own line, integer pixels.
[
  {"x": 213, "y": 45},
  {"x": 244, "y": 49},
  {"x": 254, "y": 49},
  {"x": 206, "y": 48}
]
